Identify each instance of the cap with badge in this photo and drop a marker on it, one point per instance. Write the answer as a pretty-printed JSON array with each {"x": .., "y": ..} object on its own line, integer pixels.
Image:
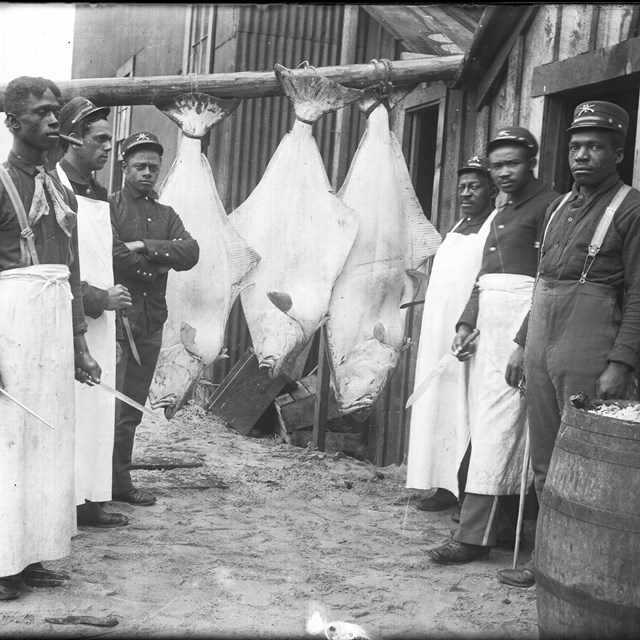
[
  {"x": 141, "y": 139},
  {"x": 599, "y": 115},
  {"x": 475, "y": 163},
  {"x": 75, "y": 110},
  {"x": 514, "y": 135}
]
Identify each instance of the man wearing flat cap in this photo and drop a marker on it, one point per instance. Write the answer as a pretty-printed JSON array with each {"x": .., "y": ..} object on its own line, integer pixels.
[
  {"x": 80, "y": 119},
  {"x": 440, "y": 417},
  {"x": 583, "y": 331},
  {"x": 149, "y": 239},
  {"x": 498, "y": 303}
]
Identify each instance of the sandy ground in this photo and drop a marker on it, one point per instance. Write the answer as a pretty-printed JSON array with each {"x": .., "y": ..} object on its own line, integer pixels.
[{"x": 242, "y": 544}]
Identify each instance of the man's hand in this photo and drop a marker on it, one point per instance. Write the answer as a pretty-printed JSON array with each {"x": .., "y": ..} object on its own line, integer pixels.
[
  {"x": 612, "y": 384},
  {"x": 136, "y": 246},
  {"x": 463, "y": 347},
  {"x": 86, "y": 368},
  {"x": 515, "y": 367},
  {"x": 119, "y": 298}
]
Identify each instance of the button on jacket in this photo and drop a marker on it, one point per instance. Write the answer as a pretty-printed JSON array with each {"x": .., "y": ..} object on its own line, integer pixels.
[
  {"x": 135, "y": 216},
  {"x": 53, "y": 246},
  {"x": 513, "y": 240},
  {"x": 617, "y": 264}
]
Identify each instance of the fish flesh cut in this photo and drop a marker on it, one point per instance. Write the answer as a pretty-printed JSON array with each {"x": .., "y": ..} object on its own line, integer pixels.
[
  {"x": 198, "y": 300},
  {"x": 300, "y": 228},
  {"x": 366, "y": 326}
]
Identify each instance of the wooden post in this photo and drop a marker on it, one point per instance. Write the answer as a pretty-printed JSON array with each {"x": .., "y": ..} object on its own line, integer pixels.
[
  {"x": 322, "y": 394},
  {"x": 245, "y": 84}
]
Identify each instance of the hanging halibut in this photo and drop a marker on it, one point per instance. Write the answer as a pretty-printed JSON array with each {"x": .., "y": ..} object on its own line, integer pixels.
[
  {"x": 365, "y": 331},
  {"x": 302, "y": 230},
  {"x": 199, "y": 300}
]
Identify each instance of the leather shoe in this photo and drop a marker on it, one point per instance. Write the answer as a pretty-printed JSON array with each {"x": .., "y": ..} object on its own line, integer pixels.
[
  {"x": 135, "y": 496},
  {"x": 454, "y": 552},
  {"x": 7, "y": 591},
  {"x": 35, "y": 575},
  {"x": 91, "y": 514},
  {"x": 523, "y": 578},
  {"x": 439, "y": 501}
]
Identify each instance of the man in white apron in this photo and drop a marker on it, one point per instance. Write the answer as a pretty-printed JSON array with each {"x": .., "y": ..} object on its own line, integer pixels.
[
  {"x": 439, "y": 433},
  {"x": 42, "y": 340},
  {"x": 95, "y": 410},
  {"x": 499, "y": 302},
  {"x": 583, "y": 332}
]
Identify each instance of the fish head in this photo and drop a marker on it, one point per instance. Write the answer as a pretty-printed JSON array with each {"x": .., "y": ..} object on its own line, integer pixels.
[
  {"x": 177, "y": 372},
  {"x": 363, "y": 374},
  {"x": 276, "y": 336}
]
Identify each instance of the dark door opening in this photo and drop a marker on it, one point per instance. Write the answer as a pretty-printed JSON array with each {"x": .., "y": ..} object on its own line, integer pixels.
[
  {"x": 422, "y": 134},
  {"x": 623, "y": 92}
]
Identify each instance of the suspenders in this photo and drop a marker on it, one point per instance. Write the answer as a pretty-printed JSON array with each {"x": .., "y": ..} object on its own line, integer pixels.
[
  {"x": 601, "y": 230},
  {"x": 27, "y": 243}
]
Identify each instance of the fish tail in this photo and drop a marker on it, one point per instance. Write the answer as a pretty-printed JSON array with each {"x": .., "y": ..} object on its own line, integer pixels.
[
  {"x": 196, "y": 113},
  {"x": 313, "y": 96}
]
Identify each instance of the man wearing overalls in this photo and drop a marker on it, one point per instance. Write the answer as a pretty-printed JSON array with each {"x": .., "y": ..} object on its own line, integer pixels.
[{"x": 583, "y": 330}]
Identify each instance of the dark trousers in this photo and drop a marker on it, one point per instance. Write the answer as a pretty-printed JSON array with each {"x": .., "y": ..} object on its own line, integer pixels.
[
  {"x": 133, "y": 380},
  {"x": 572, "y": 328}
]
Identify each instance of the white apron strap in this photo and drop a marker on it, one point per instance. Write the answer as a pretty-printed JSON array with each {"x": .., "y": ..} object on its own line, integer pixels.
[{"x": 27, "y": 244}]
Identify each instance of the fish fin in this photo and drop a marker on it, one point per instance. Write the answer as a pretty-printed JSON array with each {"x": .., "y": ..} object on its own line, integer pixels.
[
  {"x": 425, "y": 239},
  {"x": 187, "y": 335},
  {"x": 281, "y": 299},
  {"x": 242, "y": 257},
  {"x": 380, "y": 332},
  {"x": 317, "y": 619},
  {"x": 196, "y": 113},
  {"x": 313, "y": 95}
]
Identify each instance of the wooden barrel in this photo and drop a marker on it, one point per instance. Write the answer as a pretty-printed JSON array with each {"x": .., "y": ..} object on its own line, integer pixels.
[{"x": 588, "y": 534}]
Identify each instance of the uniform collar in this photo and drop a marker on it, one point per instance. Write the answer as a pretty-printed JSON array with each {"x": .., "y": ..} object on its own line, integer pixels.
[
  {"x": 73, "y": 174},
  {"x": 23, "y": 165},
  {"x": 608, "y": 184},
  {"x": 134, "y": 193},
  {"x": 534, "y": 188}
]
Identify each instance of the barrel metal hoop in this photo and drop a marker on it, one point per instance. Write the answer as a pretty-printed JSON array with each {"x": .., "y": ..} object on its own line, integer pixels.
[
  {"x": 592, "y": 515},
  {"x": 614, "y": 610},
  {"x": 623, "y": 429},
  {"x": 598, "y": 452}
]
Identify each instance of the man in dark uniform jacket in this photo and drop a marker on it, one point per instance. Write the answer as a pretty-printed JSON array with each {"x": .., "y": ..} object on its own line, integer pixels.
[
  {"x": 149, "y": 239},
  {"x": 583, "y": 332},
  {"x": 499, "y": 301},
  {"x": 81, "y": 119},
  {"x": 32, "y": 107}
]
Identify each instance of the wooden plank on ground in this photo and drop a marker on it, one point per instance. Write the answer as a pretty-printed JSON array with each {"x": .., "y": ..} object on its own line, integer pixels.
[{"x": 245, "y": 393}]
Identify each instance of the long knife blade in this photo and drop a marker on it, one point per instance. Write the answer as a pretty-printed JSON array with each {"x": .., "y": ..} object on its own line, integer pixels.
[
  {"x": 438, "y": 369},
  {"x": 121, "y": 396},
  {"x": 132, "y": 342},
  {"x": 33, "y": 413}
]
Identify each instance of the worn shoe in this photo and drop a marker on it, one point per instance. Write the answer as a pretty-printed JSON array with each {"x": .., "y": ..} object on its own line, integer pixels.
[
  {"x": 454, "y": 552},
  {"x": 135, "y": 496},
  {"x": 8, "y": 591},
  {"x": 35, "y": 575},
  {"x": 523, "y": 578},
  {"x": 439, "y": 501},
  {"x": 91, "y": 514}
]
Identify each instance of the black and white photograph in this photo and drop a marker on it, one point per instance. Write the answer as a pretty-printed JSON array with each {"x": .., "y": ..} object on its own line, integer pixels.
[{"x": 320, "y": 320}]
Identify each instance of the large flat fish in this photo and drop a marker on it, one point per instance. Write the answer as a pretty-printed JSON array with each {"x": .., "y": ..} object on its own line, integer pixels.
[
  {"x": 301, "y": 229},
  {"x": 199, "y": 300},
  {"x": 366, "y": 327}
]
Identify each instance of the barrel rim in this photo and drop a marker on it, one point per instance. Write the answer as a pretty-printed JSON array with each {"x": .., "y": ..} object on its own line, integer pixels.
[{"x": 582, "y": 419}]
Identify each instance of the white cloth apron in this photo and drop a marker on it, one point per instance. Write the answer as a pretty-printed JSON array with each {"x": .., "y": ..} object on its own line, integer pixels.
[
  {"x": 497, "y": 411},
  {"x": 439, "y": 429},
  {"x": 37, "y": 497},
  {"x": 95, "y": 410}
]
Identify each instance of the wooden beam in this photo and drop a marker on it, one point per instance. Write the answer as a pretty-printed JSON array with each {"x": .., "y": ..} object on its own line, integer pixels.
[
  {"x": 493, "y": 75},
  {"x": 245, "y": 84},
  {"x": 322, "y": 394},
  {"x": 587, "y": 69}
]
